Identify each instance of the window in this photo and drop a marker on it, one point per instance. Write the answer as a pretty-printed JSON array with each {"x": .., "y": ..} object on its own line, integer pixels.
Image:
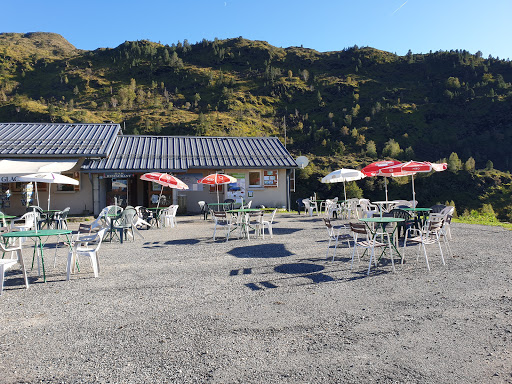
[
  {"x": 69, "y": 187},
  {"x": 255, "y": 179}
]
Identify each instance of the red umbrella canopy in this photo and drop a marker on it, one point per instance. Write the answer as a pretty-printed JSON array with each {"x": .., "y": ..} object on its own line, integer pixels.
[
  {"x": 165, "y": 180},
  {"x": 412, "y": 167},
  {"x": 217, "y": 178},
  {"x": 374, "y": 169}
]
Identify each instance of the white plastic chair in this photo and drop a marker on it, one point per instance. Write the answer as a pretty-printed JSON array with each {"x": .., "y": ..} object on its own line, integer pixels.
[
  {"x": 222, "y": 220},
  {"x": 367, "y": 209},
  {"x": 87, "y": 246},
  {"x": 168, "y": 216},
  {"x": 6, "y": 264},
  {"x": 268, "y": 224},
  {"x": 29, "y": 222}
]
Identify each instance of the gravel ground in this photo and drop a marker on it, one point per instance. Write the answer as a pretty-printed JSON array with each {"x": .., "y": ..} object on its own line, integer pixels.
[{"x": 180, "y": 308}]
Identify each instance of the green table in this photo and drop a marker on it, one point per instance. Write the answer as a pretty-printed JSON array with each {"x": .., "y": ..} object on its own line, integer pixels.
[
  {"x": 382, "y": 221},
  {"x": 420, "y": 215},
  {"x": 244, "y": 210},
  {"x": 38, "y": 236},
  {"x": 6, "y": 217},
  {"x": 220, "y": 205}
]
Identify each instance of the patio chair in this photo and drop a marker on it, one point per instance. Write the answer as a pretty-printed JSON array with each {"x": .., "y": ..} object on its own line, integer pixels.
[
  {"x": 428, "y": 235},
  {"x": 86, "y": 246},
  {"x": 437, "y": 208},
  {"x": 204, "y": 209},
  {"x": 336, "y": 236},
  {"x": 447, "y": 212},
  {"x": 368, "y": 242},
  {"x": 42, "y": 218},
  {"x": 60, "y": 219},
  {"x": 125, "y": 223},
  {"x": 223, "y": 220},
  {"x": 403, "y": 226},
  {"x": 29, "y": 222},
  {"x": 309, "y": 207},
  {"x": 168, "y": 216},
  {"x": 144, "y": 217},
  {"x": 300, "y": 205},
  {"x": 268, "y": 224},
  {"x": 6, "y": 264},
  {"x": 101, "y": 221},
  {"x": 366, "y": 209},
  {"x": 254, "y": 221}
]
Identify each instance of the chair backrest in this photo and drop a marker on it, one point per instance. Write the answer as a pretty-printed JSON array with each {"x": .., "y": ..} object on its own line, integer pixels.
[
  {"x": 273, "y": 215},
  {"x": 84, "y": 228},
  {"x": 448, "y": 210},
  {"x": 437, "y": 208},
  {"x": 91, "y": 241},
  {"x": 400, "y": 213},
  {"x": 202, "y": 205},
  {"x": 307, "y": 204},
  {"x": 249, "y": 204},
  {"x": 358, "y": 228},
  {"x": 126, "y": 219}
]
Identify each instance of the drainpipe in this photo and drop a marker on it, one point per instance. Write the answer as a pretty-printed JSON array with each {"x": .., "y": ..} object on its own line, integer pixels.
[
  {"x": 288, "y": 195},
  {"x": 95, "y": 193}
]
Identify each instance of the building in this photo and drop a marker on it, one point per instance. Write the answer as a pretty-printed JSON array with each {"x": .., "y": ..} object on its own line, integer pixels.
[{"x": 109, "y": 165}]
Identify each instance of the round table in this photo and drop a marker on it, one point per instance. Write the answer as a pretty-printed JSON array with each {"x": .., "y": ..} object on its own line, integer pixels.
[{"x": 39, "y": 235}]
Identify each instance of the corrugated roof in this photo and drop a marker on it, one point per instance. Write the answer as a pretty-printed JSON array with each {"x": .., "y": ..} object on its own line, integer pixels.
[
  {"x": 56, "y": 140},
  {"x": 180, "y": 153}
]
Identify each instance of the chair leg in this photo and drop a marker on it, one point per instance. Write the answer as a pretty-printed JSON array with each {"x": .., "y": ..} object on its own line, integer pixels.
[
  {"x": 371, "y": 258},
  {"x": 94, "y": 263},
  {"x": 2, "y": 277},
  {"x": 70, "y": 262},
  {"x": 22, "y": 263}
]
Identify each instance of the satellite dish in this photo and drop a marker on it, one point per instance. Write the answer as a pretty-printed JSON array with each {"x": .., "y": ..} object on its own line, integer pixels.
[{"x": 302, "y": 161}]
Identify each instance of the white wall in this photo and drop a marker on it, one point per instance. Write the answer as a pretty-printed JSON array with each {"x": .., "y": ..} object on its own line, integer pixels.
[{"x": 268, "y": 196}]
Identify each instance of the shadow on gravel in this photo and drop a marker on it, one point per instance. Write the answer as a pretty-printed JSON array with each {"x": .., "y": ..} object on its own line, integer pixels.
[
  {"x": 261, "y": 251},
  {"x": 297, "y": 270},
  {"x": 310, "y": 220},
  {"x": 162, "y": 244},
  {"x": 182, "y": 242},
  {"x": 285, "y": 231}
]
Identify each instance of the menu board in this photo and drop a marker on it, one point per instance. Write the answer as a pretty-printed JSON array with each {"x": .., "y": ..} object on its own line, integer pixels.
[{"x": 270, "y": 178}]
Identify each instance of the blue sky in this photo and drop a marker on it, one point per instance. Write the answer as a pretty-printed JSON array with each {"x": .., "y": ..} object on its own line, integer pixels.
[{"x": 390, "y": 25}]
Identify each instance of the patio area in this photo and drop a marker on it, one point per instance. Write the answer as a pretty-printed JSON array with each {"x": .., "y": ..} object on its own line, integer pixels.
[{"x": 178, "y": 307}]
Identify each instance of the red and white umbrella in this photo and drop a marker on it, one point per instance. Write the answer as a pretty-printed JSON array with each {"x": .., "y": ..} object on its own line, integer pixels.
[
  {"x": 217, "y": 179},
  {"x": 411, "y": 168},
  {"x": 165, "y": 180},
  {"x": 374, "y": 169}
]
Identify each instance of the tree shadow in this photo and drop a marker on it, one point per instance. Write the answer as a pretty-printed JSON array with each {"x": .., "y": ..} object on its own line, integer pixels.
[{"x": 260, "y": 251}]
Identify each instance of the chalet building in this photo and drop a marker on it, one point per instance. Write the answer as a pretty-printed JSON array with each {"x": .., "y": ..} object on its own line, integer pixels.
[{"x": 109, "y": 164}]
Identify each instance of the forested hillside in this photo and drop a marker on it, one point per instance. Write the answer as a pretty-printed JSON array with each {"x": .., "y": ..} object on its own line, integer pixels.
[{"x": 343, "y": 108}]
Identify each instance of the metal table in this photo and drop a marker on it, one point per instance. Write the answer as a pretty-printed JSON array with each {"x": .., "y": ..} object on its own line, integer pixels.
[{"x": 37, "y": 237}]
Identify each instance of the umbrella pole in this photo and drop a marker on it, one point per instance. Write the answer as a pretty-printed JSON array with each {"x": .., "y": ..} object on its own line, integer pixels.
[
  {"x": 413, "y": 193},
  {"x": 386, "y": 187},
  {"x": 159, "y": 198},
  {"x": 37, "y": 195},
  {"x": 344, "y": 190},
  {"x": 49, "y": 193}
]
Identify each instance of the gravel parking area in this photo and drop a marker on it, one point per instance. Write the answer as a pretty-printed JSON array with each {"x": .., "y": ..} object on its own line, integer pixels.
[{"x": 177, "y": 307}]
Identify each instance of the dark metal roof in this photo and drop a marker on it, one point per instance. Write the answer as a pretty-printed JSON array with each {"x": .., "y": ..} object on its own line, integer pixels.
[
  {"x": 56, "y": 140},
  {"x": 180, "y": 153}
]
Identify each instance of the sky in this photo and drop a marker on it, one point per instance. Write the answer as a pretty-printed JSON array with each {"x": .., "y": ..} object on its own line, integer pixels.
[{"x": 324, "y": 25}]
